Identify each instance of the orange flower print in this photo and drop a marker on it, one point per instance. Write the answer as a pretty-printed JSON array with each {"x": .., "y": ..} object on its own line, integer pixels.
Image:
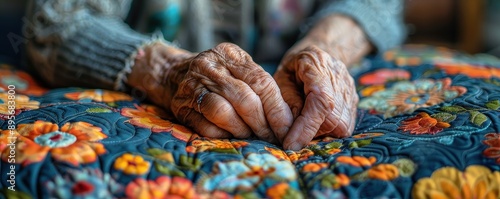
[
  {"x": 278, "y": 190},
  {"x": 282, "y": 190},
  {"x": 382, "y": 76},
  {"x": 155, "y": 110},
  {"x": 278, "y": 153},
  {"x": 22, "y": 102},
  {"x": 73, "y": 143},
  {"x": 148, "y": 120},
  {"x": 493, "y": 143},
  {"x": 99, "y": 95},
  {"x": 8, "y": 139},
  {"x": 366, "y": 135},
  {"x": 314, "y": 167},
  {"x": 23, "y": 82},
  {"x": 162, "y": 187},
  {"x": 357, "y": 161},
  {"x": 303, "y": 154},
  {"x": 472, "y": 71},
  {"x": 222, "y": 145},
  {"x": 405, "y": 97},
  {"x": 423, "y": 123},
  {"x": 383, "y": 172},
  {"x": 132, "y": 164},
  {"x": 368, "y": 91},
  {"x": 25, "y": 150}
]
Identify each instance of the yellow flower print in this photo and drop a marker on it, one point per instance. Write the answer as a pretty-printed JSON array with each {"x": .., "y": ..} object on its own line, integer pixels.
[
  {"x": 132, "y": 164},
  {"x": 448, "y": 182},
  {"x": 99, "y": 95},
  {"x": 220, "y": 145},
  {"x": 278, "y": 153},
  {"x": 141, "y": 118}
]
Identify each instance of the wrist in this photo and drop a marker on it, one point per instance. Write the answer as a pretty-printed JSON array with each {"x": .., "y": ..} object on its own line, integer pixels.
[
  {"x": 338, "y": 35},
  {"x": 153, "y": 67}
]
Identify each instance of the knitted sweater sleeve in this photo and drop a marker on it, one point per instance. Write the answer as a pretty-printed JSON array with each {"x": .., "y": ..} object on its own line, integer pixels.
[
  {"x": 81, "y": 42},
  {"x": 381, "y": 20}
]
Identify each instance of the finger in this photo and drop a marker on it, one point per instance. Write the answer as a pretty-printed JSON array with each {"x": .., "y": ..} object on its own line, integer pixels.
[
  {"x": 341, "y": 122},
  {"x": 213, "y": 107},
  {"x": 240, "y": 96},
  {"x": 291, "y": 89},
  {"x": 308, "y": 122},
  {"x": 201, "y": 125},
  {"x": 220, "y": 112},
  {"x": 276, "y": 110},
  {"x": 247, "y": 105},
  {"x": 318, "y": 104}
]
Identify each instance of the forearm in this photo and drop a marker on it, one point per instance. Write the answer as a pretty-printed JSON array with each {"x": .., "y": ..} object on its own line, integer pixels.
[
  {"x": 80, "y": 43},
  {"x": 338, "y": 35},
  {"x": 158, "y": 69}
]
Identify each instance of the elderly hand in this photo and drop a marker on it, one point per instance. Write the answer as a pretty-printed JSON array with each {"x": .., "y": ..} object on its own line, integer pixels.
[
  {"x": 219, "y": 93},
  {"x": 320, "y": 93},
  {"x": 225, "y": 94}
]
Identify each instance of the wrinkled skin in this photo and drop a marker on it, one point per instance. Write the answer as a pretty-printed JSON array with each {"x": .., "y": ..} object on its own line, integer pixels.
[
  {"x": 312, "y": 93},
  {"x": 321, "y": 95},
  {"x": 240, "y": 99}
]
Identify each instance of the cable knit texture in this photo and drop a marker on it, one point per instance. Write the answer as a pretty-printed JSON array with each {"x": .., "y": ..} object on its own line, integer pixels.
[{"x": 82, "y": 43}]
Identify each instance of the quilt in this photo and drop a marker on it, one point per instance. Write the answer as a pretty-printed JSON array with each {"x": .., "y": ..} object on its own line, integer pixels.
[{"x": 428, "y": 126}]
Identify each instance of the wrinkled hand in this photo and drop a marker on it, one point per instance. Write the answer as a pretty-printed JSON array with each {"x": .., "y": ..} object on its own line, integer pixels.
[
  {"x": 225, "y": 94},
  {"x": 321, "y": 95}
]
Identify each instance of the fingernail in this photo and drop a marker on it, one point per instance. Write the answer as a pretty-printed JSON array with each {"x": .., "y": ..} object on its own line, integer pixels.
[{"x": 295, "y": 146}]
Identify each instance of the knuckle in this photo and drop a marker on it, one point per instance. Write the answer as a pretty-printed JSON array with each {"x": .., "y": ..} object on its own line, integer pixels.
[
  {"x": 200, "y": 60},
  {"x": 314, "y": 52},
  {"x": 225, "y": 46},
  {"x": 232, "y": 53},
  {"x": 247, "y": 103},
  {"x": 203, "y": 60},
  {"x": 261, "y": 80}
]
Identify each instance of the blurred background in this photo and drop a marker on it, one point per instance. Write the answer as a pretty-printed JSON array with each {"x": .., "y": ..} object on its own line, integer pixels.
[{"x": 472, "y": 26}]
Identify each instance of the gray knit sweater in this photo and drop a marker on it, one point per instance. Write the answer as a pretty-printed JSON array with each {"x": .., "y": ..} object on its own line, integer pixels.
[{"x": 86, "y": 42}]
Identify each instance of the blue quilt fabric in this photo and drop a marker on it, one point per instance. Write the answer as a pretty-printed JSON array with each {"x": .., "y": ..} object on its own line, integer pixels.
[{"x": 428, "y": 126}]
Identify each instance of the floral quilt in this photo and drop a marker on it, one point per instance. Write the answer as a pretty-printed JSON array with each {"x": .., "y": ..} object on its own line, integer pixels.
[{"x": 428, "y": 126}]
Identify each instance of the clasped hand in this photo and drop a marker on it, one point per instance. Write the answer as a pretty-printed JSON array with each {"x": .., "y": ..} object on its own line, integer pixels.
[{"x": 223, "y": 93}]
